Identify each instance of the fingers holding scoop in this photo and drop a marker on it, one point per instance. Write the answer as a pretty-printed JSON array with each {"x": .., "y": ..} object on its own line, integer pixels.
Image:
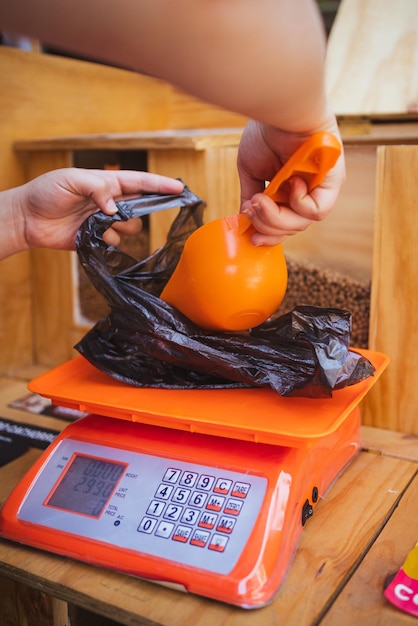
[
  {"x": 303, "y": 191},
  {"x": 276, "y": 221}
]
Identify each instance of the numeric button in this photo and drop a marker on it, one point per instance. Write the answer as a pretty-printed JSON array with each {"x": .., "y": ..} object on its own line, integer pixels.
[
  {"x": 188, "y": 479},
  {"x": 147, "y": 525},
  {"x": 205, "y": 482},
  {"x": 190, "y": 516},
  {"x": 198, "y": 499},
  {"x": 164, "y": 492},
  {"x": 155, "y": 507},
  {"x": 171, "y": 475},
  {"x": 181, "y": 495},
  {"x": 173, "y": 512}
]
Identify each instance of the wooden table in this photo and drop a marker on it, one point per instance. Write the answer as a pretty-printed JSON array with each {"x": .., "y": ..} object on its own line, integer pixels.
[{"x": 358, "y": 537}]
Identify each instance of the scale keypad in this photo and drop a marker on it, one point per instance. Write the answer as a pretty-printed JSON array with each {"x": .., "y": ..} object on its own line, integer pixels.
[{"x": 199, "y": 509}]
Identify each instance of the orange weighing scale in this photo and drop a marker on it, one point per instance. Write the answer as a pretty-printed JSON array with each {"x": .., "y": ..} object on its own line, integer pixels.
[{"x": 206, "y": 490}]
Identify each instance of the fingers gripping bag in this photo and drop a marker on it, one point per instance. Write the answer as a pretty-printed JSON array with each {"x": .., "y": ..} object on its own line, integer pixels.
[{"x": 145, "y": 342}]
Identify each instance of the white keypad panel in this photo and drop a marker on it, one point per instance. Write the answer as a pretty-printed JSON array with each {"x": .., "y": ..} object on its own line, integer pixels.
[
  {"x": 193, "y": 513},
  {"x": 190, "y": 513}
]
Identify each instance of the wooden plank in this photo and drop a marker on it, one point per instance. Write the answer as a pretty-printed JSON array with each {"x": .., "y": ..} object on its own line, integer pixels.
[
  {"x": 182, "y": 139},
  {"x": 393, "y": 402},
  {"x": 372, "y": 59},
  {"x": 345, "y": 523},
  {"x": 358, "y": 131},
  {"x": 185, "y": 164},
  {"x": 343, "y": 242},
  {"x": 362, "y": 600},
  {"x": 27, "y": 373},
  {"x": 54, "y": 308},
  {"x": 22, "y": 605},
  {"x": 353, "y": 132},
  {"x": 390, "y": 443},
  {"x": 15, "y": 313},
  {"x": 211, "y": 174},
  {"x": 223, "y": 194},
  {"x": 52, "y": 282}
]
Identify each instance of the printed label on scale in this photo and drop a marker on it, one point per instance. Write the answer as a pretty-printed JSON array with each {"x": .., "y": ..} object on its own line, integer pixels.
[{"x": 186, "y": 512}]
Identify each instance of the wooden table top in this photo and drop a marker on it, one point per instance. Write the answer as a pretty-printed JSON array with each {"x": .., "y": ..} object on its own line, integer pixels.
[{"x": 357, "y": 539}]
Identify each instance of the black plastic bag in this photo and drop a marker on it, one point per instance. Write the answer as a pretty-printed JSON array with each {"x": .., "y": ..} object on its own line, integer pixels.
[{"x": 144, "y": 341}]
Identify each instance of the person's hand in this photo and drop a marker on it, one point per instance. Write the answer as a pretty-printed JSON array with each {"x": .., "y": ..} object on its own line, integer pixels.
[
  {"x": 55, "y": 204},
  {"x": 262, "y": 152}
]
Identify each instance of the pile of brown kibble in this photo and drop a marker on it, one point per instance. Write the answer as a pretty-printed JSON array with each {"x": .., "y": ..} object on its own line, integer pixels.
[{"x": 311, "y": 285}]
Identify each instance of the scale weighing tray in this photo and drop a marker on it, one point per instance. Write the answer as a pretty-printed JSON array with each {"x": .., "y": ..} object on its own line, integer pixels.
[{"x": 206, "y": 490}]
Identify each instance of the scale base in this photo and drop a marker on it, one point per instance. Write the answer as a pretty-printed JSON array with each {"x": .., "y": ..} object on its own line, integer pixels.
[
  {"x": 285, "y": 483},
  {"x": 208, "y": 490}
]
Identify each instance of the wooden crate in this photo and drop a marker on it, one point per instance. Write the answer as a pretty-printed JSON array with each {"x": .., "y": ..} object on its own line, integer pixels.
[{"x": 46, "y": 96}]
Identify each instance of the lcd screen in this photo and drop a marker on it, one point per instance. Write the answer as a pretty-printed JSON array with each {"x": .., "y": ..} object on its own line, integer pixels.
[{"x": 87, "y": 485}]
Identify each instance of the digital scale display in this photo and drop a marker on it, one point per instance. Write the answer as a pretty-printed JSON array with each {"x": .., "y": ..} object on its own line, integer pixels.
[{"x": 86, "y": 486}]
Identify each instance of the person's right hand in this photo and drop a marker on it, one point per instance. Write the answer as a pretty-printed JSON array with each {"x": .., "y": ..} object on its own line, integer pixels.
[{"x": 262, "y": 152}]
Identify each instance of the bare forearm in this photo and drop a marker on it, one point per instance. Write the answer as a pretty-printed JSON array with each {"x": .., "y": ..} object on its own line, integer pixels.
[
  {"x": 12, "y": 232},
  {"x": 261, "y": 58}
]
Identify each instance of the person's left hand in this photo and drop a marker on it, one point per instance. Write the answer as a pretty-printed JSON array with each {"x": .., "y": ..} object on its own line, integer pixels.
[{"x": 55, "y": 204}]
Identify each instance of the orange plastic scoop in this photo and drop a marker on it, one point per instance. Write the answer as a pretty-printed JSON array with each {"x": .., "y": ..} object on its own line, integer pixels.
[
  {"x": 311, "y": 161},
  {"x": 222, "y": 281}
]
